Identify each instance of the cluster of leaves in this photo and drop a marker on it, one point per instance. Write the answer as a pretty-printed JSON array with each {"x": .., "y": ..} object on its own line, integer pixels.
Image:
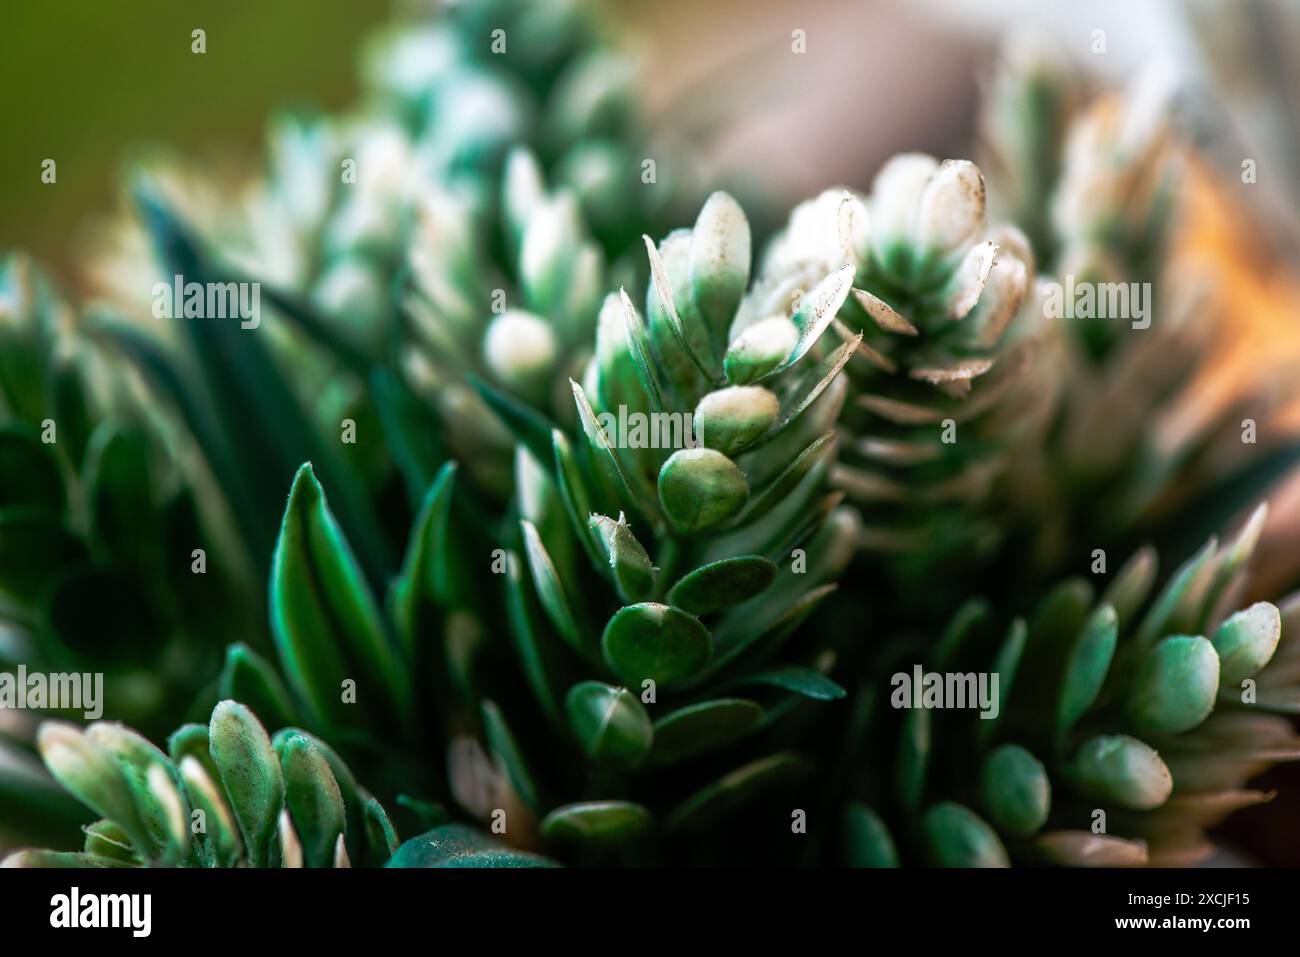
[
  {"x": 1123, "y": 726},
  {"x": 613, "y": 633}
]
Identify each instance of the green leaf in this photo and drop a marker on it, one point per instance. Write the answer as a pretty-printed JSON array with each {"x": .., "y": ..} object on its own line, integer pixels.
[
  {"x": 313, "y": 798},
  {"x": 1168, "y": 602},
  {"x": 426, "y": 579},
  {"x": 326, "y": 624},
  {"x": 502, "y": 742},
  {"x": 722, "y": 584},
  {"x": 265, "y": 431},
  {"x": 457, "y": 845},
  {"x": 250, "y": 773},
  {"x": 571, "y": 485},
  {"x": 1007, "y": 667},
  {"x": 807, "y": 387},
  {"x": 1246, "y": 642},
  {"x": 639, "y": 345},
  {"x": 526, "y": 628},
  {"x": 655, "y": 642},
  {"x": 381, "y": 836},
  {"x": 634, "y": 486},
  {"x": 1087, "y": 667},
  {"x": 719, "y": 264},
  {"x": 1175, "y": 686},
  {"x": 955, "y": 836},
  {"x": 155, "y": 785},
  {"x": 90, "y": 773},
  {"x": 796, "y": 678},
  {"x": 248, "y": 677},
  {"x": 610, "y": 723},
  {"x": 779, "y": 489},
  {"x": 913, "y": 758},
  {"x": 550, "y": 590},
  {"x": 700, "y": 728},
  {"x": 866, "y": 839},
  {"x": 1132, "y": 585},
  {"x": 816, "y": 310},
  {"x": 732, "y": 419},
  {"x": 596, "y": 824},
  {"x": 663, "y": 288},
  {"x": 528, "y": 426},
  {"x": 701, "y": 489},
  {"x": 411, "y": 433},
  {"x": 1121, "y": 769},
  {"x": 1015, "y": 790},
  {"x": 734, "y": 790},
  {"x": 633, "y": 574}
]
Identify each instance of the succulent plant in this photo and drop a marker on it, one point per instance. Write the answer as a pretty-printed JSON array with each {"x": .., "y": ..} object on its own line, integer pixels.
[
  {"x": 1123, "y": 725},
  {"x": 558, "y": 571},
  {"x": 956, "y": 369},
  {"x": 226, "y": 794},
  {"x": 1139, "y": 449}
]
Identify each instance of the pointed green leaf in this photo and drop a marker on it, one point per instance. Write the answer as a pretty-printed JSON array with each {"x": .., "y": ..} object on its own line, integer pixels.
[{"x": 326, "y": 624}]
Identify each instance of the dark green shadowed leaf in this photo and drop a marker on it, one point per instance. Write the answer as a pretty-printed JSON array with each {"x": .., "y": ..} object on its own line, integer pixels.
[
  {"x": 550, "y": 590},
  {"x": 427, "y": 576},
  {"x": 381, "y": 836},
  {"x": 866, "y": 840},
  {"x": 913, "y": 758},
  {"x": 528, "y": 629},
  {"x": 1087, "y": 667},
  {"x": 596, "y": 824},
  {"x": 796, "y": 678},
  {"x": 502, "y": 742},
  {"x": 700, "y": 728},
  {"x": 722, "y": 584},
  {"x": 571, "y": 485},
  {"x": 734, "y": 790},
  {"x": 456, "y": 845},
  {"x": 248, "y": 677},
  {"x": 655, "y": 642},
  {"x": 528, "y": 426},
  {"x": 250, "y": 773},
  {"x": 610, "y": 723},
  {"x": 955, "y": 836},
  {"x": 1015, "y": 790}
]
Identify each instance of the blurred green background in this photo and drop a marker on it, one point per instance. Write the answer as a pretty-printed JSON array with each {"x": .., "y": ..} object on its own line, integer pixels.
[{"x": 89, "y": 83}]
